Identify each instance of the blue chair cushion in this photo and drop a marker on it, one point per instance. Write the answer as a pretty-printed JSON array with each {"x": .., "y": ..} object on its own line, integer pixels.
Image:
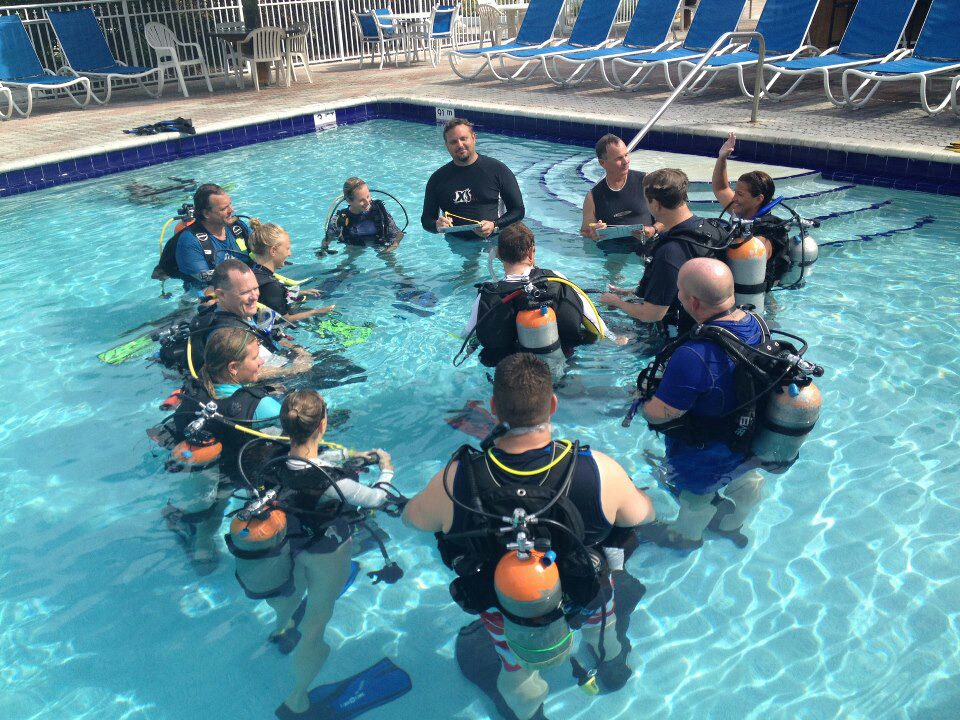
[
  {"x": 910, "y": 65},
  {"x": 18, "y": 59},
  {"x": 82, "y": 40}
]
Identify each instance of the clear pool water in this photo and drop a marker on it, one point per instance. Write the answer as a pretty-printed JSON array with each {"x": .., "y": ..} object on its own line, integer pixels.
[{"x": 844, "y": 605}]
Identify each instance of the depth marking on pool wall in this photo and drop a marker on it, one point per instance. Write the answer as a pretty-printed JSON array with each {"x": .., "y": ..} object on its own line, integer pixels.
[
  {"x": 325, "y": 120},
  {"x": 445, "y": 113}
]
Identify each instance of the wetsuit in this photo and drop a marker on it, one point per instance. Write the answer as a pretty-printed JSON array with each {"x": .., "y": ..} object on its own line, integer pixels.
[
  {"x": 473, "y": 191},
  {"x": 273, "y": 293},
  {"x": 577, "y": 322},
  {"x": 665, "y": 255},
  {"x": 626, "y": 206},
  {"x": 699, "y": 379},
  {"x": 191, "y": 259},
  {"x": 374, "y": 227}
]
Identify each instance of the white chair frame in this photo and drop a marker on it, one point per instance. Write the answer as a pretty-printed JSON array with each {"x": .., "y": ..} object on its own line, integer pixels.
[
  {"x": 381, "y": 41},
  {"x": 164, "y": 43},
  {"x": 298, "y": 49},
  {"x": 4, "y": 93},
  {"x": 433, "y": 44},
  {"x": 231, "y": 52},
  {"x": 267, "y": 47}
]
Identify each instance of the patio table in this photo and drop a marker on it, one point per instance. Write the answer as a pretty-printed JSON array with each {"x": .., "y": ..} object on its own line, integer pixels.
[{"x": 411, "y": 27}]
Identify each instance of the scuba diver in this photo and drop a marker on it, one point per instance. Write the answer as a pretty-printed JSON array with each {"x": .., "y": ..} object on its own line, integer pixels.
[
  {"x": 750, "y": 203},
  {"x": 727, "y": 398},
  {"x": 237, "y": 294},
  {"x": 364, "y": 222},
  {"x": 269, "y": 250},
  {"x": 615, "y": 211},
  {"x": 684, "y": 236},
  {"x": 531, "y": 309},
  {"x": 204, "y": 430},
  {"x": 295, "y": 536},
  {"x": 214, "y": 234},
  {"x": 532, "y": 527}
]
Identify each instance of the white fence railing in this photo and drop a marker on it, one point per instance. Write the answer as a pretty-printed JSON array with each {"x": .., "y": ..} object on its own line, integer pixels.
[{"x": 333, "y": 37}]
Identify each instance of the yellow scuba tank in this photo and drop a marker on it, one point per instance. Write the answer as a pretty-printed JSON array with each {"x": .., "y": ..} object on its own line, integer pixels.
[
  {"x": 791, "y": 412},
  {"x": 528, "y": 587},
  {"x": 264, "y": 562},
  {"x": 748, "y": 263}
]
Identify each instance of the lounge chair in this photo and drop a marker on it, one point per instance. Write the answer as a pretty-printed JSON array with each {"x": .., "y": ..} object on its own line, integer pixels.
[
  {"x": 536, "y": 31},
  {"x": 648, "y": 32},
  {"x": 937, "y": 52},
  {"x": 784, "y": 25},
  {"x": 20, "y": 68},
  {"x": 590, "y": 31},
  {"x": 713, "y": 19},
  {"x": 86, "y": 53},
  {"x": 872, "y": 35}
]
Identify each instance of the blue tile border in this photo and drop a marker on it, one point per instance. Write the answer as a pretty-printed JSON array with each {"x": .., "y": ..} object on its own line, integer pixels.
[{"x": 865, "y": 169}]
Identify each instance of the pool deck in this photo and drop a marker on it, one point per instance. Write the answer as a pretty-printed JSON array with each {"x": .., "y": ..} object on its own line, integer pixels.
[{"x": 892, "y": 124}]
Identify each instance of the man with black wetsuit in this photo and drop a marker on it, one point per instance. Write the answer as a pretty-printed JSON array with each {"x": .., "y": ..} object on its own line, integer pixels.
[
  {"x": 617, "y": 199},
  {"x": 694, "y": 407},
  {"x": 684, "y": 236},
  {"x": 599, "y": 492},
  {"x": 469, "y": 190}
]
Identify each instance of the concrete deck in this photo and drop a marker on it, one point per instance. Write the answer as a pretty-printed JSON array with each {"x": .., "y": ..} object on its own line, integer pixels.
[{"x": 893, "y": 124}]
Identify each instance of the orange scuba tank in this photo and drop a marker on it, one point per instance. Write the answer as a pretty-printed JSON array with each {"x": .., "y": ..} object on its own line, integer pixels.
[
  {"x": 528, "y": 588},
  {"x": 259, "y": 544},
  {"x": 791, "y": 413},
  {"x": 748, "y": 263}
]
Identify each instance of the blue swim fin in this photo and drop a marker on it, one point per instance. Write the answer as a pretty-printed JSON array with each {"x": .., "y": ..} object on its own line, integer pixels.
[{"x": 375, "y": 686}]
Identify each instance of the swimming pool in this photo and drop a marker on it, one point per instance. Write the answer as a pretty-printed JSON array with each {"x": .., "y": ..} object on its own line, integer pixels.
[{"x": 844, "y": 605}]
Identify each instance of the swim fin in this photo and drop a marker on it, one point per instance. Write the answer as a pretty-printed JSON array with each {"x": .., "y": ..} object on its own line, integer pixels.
[
  {"x": 413, "y": 310},
  {"x": 472, "y": 419},
  {"x": 375, "y": 686},
  {"x": 338, "y": 330},
  {"x": 127, "y": 351}
]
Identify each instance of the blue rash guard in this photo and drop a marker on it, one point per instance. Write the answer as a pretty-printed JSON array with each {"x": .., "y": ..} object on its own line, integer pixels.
[
  {"x": 191, "y": 260},
  {"x": 699, "y": 380},
  {"x": 268, "y": 408}
]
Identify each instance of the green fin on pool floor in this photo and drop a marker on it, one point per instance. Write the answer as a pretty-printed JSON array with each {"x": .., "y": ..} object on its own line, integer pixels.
[
  {"x": 353, "y": 696},
  {"x": 342, "y": 332},
  {"x": 132, "y": 349}
]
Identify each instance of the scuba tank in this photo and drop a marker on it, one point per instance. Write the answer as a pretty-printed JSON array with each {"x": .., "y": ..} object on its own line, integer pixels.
[
  {"x": 804, "y": 252},
  {"x": 193, "y": 455},
  {"x": 791, "y": 412},
  {"x": 537, "y": 331},
  {"x": 528, "y": 588},
  {"x": 258, "y": 540},
  {"x": 748, "y": 263}
]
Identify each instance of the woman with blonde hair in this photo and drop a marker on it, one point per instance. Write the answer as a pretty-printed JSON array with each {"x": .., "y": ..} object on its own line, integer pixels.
[{"x": 270, "y": 248}]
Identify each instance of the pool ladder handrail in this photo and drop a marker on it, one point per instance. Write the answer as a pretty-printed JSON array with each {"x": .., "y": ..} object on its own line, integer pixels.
[{"x": 694, "y": 74}]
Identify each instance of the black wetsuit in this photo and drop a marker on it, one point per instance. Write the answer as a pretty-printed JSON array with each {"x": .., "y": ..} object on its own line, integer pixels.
[
  {"x": 473, "y": 191},
  {"x": 626, "y": 206},
  {"x": 665, "y": 255},
  {"x": 272, "y": 292}
]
